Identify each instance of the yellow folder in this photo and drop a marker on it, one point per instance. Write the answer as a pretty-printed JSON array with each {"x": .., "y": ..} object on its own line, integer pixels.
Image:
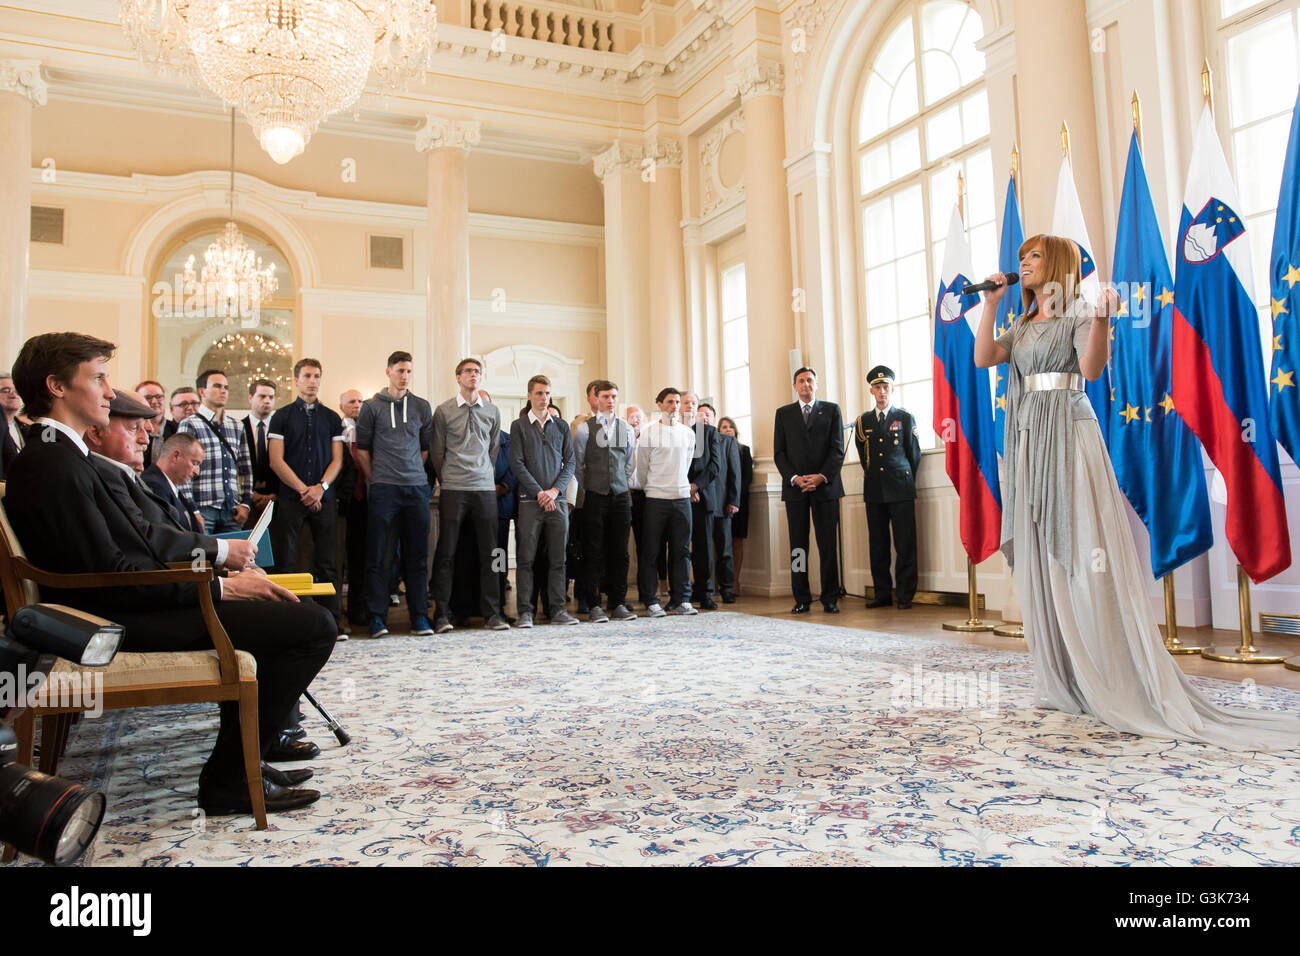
[{"x": 302, "y": 584}]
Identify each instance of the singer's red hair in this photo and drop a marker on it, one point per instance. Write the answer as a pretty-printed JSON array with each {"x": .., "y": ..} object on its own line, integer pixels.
[{"x": 1060, "y": 271}]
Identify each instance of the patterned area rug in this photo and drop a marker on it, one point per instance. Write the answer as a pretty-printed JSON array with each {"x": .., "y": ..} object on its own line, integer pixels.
[{"x": 720, "y": 740}]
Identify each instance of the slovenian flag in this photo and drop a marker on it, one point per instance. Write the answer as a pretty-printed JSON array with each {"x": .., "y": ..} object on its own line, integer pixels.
[
  {"x": 1157, "y": 459},
  {"x": 1012, "y": 305},
  {"x": 1284, "y": 300},
  {"x": 1219, "y": 385},
  {"x": 963, "y": 415},
  {"x": 1067, "y": 222}
]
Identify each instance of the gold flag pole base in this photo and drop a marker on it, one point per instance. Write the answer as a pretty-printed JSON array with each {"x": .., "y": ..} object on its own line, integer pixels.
[
  {"x": 1010, "y": 629},
  {"x": 972, "y": 624},
  {"x": 1247, "y": 652},
  {"x": 1172, "y": 644},
  {"x": 1292, "y": 663}
]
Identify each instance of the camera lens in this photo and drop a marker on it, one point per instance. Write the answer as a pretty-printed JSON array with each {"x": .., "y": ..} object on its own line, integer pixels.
[{"x": 47, "y": 817}]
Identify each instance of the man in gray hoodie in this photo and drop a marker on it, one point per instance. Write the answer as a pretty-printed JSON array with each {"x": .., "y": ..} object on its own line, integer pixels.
[
  {"x": 466, "y": 433},
  {"x": 394, "y": 432}
]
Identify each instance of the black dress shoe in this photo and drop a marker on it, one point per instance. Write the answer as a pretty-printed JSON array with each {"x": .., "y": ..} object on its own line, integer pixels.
[
  {"x": 232, "y": 797},
  {"x": 294, "y": 733},
  {"x": 285, "y": 778},
  {"x": 904, "y": 605},
  {"x": 879, "y": 602},
  {"x": 728, "y": 598},
  {"x": 286, "y": 749},
  {"x": 709, "y": 604},
  {"x": 800, "y": 608},
  {"x": 831, "y": 608}
]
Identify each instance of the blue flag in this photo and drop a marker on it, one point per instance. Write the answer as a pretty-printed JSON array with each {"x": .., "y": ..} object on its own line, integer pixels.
[
  {"x": 1157, "y": 459},
  {"x": 1012, "y": 304},
  {"x": 1284, "y": 298}
]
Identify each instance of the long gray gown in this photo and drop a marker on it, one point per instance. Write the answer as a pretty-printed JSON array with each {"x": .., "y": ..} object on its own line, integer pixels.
[{"x": 1094, "y": 640}]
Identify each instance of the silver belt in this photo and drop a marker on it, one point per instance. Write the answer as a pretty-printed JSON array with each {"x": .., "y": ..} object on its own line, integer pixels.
[{"x": 1045, "y": 381}]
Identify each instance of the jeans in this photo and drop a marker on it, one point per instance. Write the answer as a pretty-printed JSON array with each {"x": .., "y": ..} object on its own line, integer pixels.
[
  {"x": 407, "y": 508},
  {"x": 216, "y": 521}
]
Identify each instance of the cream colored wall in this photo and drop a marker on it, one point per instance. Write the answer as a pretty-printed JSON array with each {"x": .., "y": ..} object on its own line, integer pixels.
[{"x": 531, "y": 271}]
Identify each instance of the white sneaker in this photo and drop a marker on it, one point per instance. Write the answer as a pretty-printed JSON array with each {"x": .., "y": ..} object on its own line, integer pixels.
[{"x": 655, "y": 610}]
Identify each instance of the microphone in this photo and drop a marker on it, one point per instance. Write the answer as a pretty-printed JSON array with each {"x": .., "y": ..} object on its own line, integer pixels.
[{"x": 990, "y": 285}]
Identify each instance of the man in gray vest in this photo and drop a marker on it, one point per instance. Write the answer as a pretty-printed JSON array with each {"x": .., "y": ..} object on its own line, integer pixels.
[
  {"x": 542, "y": 458},
  {"x": 604, "y": 464},
  {"x": 466, "y": 432}
]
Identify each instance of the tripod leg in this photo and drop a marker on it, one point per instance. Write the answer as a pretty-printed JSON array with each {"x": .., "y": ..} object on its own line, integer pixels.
[{"x": 334, "y": 725}]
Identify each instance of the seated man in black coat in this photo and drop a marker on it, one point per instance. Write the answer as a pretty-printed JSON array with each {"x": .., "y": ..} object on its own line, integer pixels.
[
  {"x": 179, "y": 462},
  {"x": 70, "y": 522}
]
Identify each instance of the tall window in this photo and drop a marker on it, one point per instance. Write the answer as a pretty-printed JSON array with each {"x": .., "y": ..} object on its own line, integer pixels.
[
  {"x": 1260, "y": 44},
  {"x": 735, "y": 351},
  {"x": 923, "y": 118}
]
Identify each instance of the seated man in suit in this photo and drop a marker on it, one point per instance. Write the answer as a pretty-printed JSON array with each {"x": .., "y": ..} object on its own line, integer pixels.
[
  {"x": 70, "y": 522},
  {"x": 808, "y": 449},
  {"x": 178, "y": 464}
]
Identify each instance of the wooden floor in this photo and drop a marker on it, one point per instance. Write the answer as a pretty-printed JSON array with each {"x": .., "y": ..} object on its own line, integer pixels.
[{"x": 926, "y": 622}]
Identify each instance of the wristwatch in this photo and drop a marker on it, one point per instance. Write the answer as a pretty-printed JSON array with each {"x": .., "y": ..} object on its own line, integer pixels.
[{"x": 324, "y": 486}]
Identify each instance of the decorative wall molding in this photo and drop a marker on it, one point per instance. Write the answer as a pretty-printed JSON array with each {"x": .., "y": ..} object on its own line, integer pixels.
[
  {"x": 725, "y": 221},
  {"x": 438, "y": 132},
  {"x": 802, "y": 21},
  {"x": 713, "y": 194},
  {"x": 372, "y": 303},
  {"x": 814, "y": 162},
  {"x": 97, "y": 286},
  {"x": 621, "y": 155},
  {"x": 24, "y": 78},
  {"x": 756, "y": 75},
  {"x": 665, "y": 151},
  {"x": 536, "y": 315},
  {"x": 489, "y": 226},
  {"x": 999, "y": 49}
]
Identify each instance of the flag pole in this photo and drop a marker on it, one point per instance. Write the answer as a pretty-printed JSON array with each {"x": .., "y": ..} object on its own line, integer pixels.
[
  {"x": 1207, "y": 84},
  {"x": 1137, "y": 117},
  {"x": 1011, "y": 628},
  {"x": 973, "y": 622},
  {"x": 1172, "y": 644},
  {"x": 1065, "y": 141},
  {"x": 1247, "y": 653}
]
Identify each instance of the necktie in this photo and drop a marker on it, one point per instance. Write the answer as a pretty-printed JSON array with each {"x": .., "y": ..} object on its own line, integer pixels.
[
  {"x": 880, "y": 416},
  {"x": 807, "y": 415},
  {"x": 261, "y": 443}
]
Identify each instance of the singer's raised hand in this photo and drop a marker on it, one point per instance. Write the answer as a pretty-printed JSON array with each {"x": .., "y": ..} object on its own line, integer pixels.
[{"x": 993, "y": 296}]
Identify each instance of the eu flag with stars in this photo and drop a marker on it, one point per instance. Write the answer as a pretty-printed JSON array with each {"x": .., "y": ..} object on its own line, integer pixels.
[
  {"x": 1012, "y": 304},
  {"x": 1156, "y": 457},
  {"x": 1284, "y": 298}
]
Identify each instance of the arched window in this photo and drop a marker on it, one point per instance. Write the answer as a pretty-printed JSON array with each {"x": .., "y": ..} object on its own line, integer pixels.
[{"x": 923, "y": 117}]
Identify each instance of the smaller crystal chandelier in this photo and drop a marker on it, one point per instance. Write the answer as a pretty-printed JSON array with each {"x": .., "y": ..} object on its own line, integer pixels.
[{"x": 232, "y": 274}]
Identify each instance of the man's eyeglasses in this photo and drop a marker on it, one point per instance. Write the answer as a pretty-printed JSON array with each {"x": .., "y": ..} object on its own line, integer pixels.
[{"x": 186, "y": 404}]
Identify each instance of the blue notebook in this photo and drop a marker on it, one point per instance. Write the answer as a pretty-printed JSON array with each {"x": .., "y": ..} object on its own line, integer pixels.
[{"x": 264, "y": 557}]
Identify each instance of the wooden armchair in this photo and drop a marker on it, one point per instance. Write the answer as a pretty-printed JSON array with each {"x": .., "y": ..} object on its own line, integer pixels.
[{"x": 149, "y": 679}]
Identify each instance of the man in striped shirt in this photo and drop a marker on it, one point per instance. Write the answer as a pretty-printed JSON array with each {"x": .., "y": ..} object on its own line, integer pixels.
[{"x": 224, "y": 488}]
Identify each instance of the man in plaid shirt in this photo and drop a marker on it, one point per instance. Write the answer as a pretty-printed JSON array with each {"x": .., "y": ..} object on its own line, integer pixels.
[{"x": 224, "y": 488}]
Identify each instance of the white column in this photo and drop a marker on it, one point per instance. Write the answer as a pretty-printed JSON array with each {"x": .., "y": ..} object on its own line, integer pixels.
[
  {"x": 21, "y": 88},
  {"x": 448, "y": 143},
  {"x": 627, "y": 272},
  {"x": 667, "y": 266}
]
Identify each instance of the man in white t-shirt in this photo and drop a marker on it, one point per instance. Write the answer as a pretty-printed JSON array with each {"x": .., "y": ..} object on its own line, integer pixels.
[{"x": 663, "y": 459}]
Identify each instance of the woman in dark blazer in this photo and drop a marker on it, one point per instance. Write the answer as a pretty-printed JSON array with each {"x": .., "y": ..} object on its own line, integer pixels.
[{"x": 740, "y": 520}]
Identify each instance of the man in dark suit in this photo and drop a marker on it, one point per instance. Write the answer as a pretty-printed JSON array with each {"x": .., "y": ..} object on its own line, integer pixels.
[
  {"x": 890, "y": 454},
  {"x": 69, "y": 522},
  {"x": 177, "y": 465},
  {"x": 808, "y": 448},
  {"x": 724, "y": 568},
  {"x": 707, "y": 497},
  {"x": 261, "y": 403}
]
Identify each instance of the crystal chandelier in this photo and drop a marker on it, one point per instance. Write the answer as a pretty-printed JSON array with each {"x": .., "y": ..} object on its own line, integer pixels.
[
  {"x": 232, "y": 274},
  {"x": 286, "y": 64}
]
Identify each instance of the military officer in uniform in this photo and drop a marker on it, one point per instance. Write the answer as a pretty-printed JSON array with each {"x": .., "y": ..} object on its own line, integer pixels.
[{"x": 891, "y": 454}]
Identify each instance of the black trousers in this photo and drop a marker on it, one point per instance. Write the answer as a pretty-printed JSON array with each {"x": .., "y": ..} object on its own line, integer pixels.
[
  {"x": 290, "y": 642},
  {"x": 824, "y": 516},
  {"x": 724, "y": 565},
  {"x": 354, "y": 547},
  {"x": 606, "y": 521},
  {"x": 539, "y": 533},
  {"x": 671, "y": 517},
  {"x": 480, "y": 507},
  {"x": 573, "y": 560},
  {"x": 701, "y": 550},
  {"x": 901, "y": 515},
  {"x": 286, "y": 535}
]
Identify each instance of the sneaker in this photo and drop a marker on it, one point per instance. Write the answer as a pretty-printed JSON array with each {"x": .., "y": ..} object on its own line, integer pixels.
[
  {"x": 525, "y": 620},
  {"x": 395, "y": 600},
  {"x": 597, "y": 615},
  {"x": 656, "y": 610},
  {"x": 622, "y": 613},
  {"x": 683, "y": 609},
  {"x": 377, "y": 628},
  {"x": 496, "y": 623},
  {"x": 421, "y": 626},
  {"x": 442, "y": 626},
  {"x": 562, "y": 616}
]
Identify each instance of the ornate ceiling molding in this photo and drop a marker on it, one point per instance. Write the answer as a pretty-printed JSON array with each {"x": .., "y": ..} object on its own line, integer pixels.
[
  {"x": 756, "y": 75},
  {"x": 713, "y": 194},
  {"x": 619, "y": 156},
  {"x": 802, "y": 22},
  {"x": 24, "y": 78},
  {"x": 438, "y": 132},
  {"x": 666, "y": 151}
]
